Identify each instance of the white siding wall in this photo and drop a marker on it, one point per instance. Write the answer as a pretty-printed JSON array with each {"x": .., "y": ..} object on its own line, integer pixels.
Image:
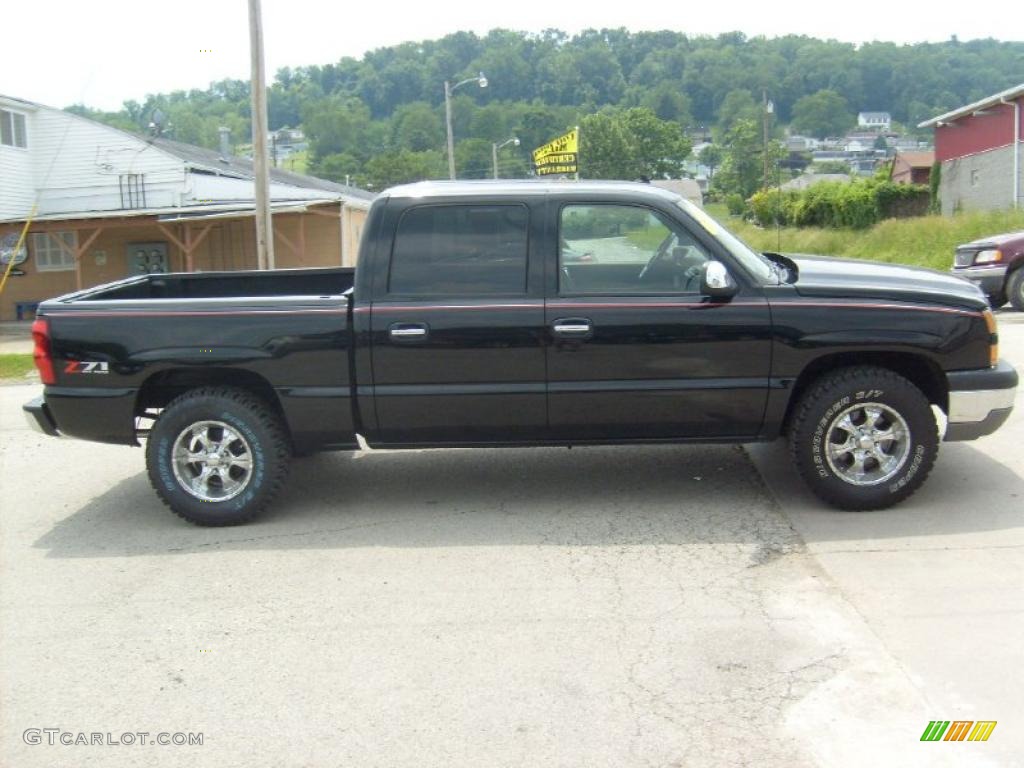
[
  {"x": 16, "y": 192},
  {"x": 77, "y": 164}
]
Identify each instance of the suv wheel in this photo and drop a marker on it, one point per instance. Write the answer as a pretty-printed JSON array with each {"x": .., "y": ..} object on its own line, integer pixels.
[
  {"x": 863, "y": 438},
  {"x": 217, "y": 455},
  {"x": 1015, "y": 289}
]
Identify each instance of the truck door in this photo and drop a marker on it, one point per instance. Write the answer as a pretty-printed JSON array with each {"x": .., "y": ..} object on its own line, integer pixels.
[
  {"x": 457, "y": 327},
  {"x": 635, "y": 350}
]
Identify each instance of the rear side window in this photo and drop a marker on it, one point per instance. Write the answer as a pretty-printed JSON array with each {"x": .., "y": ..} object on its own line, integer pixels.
[{"x": 460, "y": 250}]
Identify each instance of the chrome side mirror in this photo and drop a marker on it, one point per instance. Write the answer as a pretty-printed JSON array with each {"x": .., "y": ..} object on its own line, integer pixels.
[{"x": 716, "y": 281}]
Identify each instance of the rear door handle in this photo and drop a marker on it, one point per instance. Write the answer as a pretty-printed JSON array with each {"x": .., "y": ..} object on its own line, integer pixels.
[
  {"x": 573, "y": 328},
  {"x": 406, "y": 332}
]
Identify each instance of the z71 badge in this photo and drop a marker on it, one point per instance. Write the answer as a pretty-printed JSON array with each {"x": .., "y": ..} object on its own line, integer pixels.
[{"x": 87, "y": 366}]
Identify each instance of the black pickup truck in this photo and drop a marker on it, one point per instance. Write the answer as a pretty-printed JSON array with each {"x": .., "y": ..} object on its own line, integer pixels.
[{"x": 525, "y": 314}]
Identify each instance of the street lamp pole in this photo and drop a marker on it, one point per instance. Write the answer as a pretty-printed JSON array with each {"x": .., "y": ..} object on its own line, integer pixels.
[
  {"x": 494, "y": 151},
  {"x": 448, "y": 90}
]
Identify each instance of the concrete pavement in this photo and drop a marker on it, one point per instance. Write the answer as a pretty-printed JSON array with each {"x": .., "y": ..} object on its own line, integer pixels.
[{"x": 599, "y": 607}]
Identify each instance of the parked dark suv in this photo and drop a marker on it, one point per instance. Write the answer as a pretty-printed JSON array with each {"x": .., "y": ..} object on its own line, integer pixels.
[{"x": 996, "y": 265}]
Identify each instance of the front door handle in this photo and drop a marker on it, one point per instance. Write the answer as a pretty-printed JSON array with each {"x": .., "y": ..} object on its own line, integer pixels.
[
  {"x": 405, "y": 332},
  {"x": 573, "y": 328}
]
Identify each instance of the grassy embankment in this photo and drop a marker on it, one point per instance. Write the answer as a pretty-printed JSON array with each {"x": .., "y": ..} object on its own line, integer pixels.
[
  {"x": 15, "y": 366},
  {"x": 925, "y": 241}
]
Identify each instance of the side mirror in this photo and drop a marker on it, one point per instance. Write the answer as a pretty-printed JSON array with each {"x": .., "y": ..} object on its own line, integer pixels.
[{"x": 715, "y": 281}]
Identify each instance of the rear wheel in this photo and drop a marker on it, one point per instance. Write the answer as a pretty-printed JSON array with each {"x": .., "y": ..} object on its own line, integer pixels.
[
  {"x": 863, "y": 438},
  {"x": 1015, "y": 289},
  {"x": 217, "y": 455}
]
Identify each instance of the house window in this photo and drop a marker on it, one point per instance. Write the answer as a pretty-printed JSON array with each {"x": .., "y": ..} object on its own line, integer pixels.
[
  {"x": 12, "y": 129},
  {"x": 49, "y": 256},
  {"x": 133, "y": 190}
]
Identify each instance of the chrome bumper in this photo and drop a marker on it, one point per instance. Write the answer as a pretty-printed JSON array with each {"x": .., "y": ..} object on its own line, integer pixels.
[
  {"x": 989, "y": 279},
  {"x": 980, "y": 401}
]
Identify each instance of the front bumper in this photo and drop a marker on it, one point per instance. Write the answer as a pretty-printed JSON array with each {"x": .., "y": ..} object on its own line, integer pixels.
[
  {"x": 990, "y": 279},
  {"x": 39, "y": 418},
  {"x": 980, "y": 401}
]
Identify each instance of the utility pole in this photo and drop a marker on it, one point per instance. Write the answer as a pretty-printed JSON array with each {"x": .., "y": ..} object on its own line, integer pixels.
[
  {"x": 767, "y": 109},
  {"x": 258, "y": 86},
  {"x": 448, "y": 127}
]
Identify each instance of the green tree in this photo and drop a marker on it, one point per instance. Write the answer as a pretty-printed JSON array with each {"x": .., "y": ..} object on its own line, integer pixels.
[
  {"x": 629, "y": 144},
  {"x": 822, "y": 114},
  {"x": 711, "y": 156},
  {"x": 336, "y": 167},
  {"x": 742, "y": 168},
  {"x": 737, "y": 105},
  {"x": 417, "y": 126},
  {"x": 401, "y": 167}
]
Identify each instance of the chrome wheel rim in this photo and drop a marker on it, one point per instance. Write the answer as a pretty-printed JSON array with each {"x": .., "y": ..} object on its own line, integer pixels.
[
  {"x": 212, "y": 461},
  {"x": 867, "y": 444}
]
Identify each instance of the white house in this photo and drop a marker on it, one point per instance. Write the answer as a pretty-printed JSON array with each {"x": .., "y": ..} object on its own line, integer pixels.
[
  {"x": 103, "y": 196},
  {"x": 875, "y": 121}
]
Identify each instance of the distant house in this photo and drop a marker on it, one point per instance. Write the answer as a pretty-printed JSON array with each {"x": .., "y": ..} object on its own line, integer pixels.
[
  {"x": 802, "y": 143},
  {"x": 112, "y": 204},
  {"x": 875, "y": 121},
  {"x": 979, "y": 147},
  {"x": 914, "y": 167},
  {"x": 686, "y": 188}
]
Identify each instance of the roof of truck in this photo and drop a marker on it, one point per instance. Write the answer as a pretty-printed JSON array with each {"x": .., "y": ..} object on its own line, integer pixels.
[{"x": 520, "y": 187}]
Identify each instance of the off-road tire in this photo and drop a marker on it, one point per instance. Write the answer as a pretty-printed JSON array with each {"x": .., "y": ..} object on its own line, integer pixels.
[
  {"x": 254, "y": 420},
  {"x": 811, "y": 429}
]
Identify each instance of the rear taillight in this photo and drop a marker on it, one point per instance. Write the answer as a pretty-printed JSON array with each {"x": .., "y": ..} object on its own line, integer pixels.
[
  {"x": 41, "y": 351},
  {"x": 993, "y": 337}
]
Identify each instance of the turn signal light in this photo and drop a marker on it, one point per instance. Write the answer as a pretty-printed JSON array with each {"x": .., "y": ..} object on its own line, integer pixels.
[
  {"x": 993, "y": 336},
  {"x": 41, "y": 350}
]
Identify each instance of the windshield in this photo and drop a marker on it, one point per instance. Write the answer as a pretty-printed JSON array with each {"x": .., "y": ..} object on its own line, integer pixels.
[{"x": 755, "y": 263}]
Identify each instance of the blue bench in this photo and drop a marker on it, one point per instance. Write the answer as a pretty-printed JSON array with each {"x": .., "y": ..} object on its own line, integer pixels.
[{"x": 20, "y": 308}]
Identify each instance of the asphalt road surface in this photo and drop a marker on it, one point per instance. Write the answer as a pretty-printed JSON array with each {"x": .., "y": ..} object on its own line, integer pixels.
[{"x": 657, "y": 606}]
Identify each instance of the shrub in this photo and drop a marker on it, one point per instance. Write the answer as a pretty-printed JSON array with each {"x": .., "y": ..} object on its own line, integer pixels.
[
  {"x": 735, "y": 203},
  {"x": 857, "y": 204}
]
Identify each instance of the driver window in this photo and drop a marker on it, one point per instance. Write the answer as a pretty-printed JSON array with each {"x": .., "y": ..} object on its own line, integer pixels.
[{"x": 625, "y": 249}]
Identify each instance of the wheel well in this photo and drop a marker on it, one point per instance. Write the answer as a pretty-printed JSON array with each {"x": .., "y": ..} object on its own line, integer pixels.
[
  {"x": 922, "y": 372},
  {"x": 160, "y": 388}
]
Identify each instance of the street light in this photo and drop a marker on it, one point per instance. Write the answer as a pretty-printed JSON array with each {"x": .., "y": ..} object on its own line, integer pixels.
[
  {"x": 494, "y": 151},
  {"x": 448, "y": 90}
]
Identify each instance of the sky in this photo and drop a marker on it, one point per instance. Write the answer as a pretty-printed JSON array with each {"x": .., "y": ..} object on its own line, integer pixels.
[{"x": 103, "y": 52}]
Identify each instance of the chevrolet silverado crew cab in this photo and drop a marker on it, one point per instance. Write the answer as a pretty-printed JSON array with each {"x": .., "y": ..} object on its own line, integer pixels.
[{"x": 473, "y": 319}]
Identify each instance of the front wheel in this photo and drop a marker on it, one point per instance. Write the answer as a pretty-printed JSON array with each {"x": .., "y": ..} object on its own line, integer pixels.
[
  {"x": 1015, "y": 289},
  {"x": 863, "y": 438},
  {"x": 217, "y": 455}
]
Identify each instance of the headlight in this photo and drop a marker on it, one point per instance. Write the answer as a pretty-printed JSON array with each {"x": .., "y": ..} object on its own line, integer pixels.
[{"x": 988, "y": 256}]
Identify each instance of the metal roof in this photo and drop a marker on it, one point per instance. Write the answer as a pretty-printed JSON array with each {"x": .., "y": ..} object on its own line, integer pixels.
[
  {"x": 242, "y": 168},
  {"x": 1010, "y": 93}
]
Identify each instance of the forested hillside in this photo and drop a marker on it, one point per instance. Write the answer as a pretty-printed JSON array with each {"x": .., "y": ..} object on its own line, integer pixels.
[{"x": 380, "y": 118}]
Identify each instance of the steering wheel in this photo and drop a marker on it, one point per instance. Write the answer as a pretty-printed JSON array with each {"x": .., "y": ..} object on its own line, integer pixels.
[{"x": 659, "y": 254}]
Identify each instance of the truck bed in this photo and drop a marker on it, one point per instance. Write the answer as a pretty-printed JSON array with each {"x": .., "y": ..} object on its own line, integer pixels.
[
  {"x": 222, "y": 285},
  {"x": 136, "y": 344}
]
